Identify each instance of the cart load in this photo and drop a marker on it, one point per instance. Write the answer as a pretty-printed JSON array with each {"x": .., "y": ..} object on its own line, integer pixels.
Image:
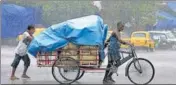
[
  {"x": 84, "y": 31},
  {"x": 86, "y": 55}
]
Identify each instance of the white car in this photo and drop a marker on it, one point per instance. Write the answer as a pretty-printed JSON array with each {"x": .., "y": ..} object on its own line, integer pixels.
[{"x": 165, "y": 39}]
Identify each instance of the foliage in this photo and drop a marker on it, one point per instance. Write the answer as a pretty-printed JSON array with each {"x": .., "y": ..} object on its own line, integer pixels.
[{"x": 137, "y": 12}]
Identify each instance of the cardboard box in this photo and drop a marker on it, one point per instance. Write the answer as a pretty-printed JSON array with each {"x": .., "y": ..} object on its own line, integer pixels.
[{"x": 87, "y": 54}]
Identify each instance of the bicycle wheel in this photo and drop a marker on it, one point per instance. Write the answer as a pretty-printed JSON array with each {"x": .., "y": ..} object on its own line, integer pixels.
[
  {"x": 140, "y": 71},
  {"x": 81, "y": 75},
  {"x": 62, "y": 64}
]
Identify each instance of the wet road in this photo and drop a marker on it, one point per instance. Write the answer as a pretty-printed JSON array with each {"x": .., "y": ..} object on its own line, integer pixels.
[{"x": 164, "y": 62}]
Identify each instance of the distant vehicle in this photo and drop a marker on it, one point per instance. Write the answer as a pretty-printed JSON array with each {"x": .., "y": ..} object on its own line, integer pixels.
[
  {"x": 143, "y": 39},
  {"x": 126, "y": 38},
  {"x": 174, "y": 33},
  {"x": 165, "y": 39}
]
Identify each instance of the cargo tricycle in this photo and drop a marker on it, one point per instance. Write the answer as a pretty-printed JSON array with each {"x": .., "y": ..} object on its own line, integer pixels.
[{"x": 70, "y": 63}]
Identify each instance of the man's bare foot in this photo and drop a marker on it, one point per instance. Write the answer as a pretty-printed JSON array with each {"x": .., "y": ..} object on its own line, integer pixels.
[
  {"x": 14, "y": 78},
  {"x": 25, "y": 76}
]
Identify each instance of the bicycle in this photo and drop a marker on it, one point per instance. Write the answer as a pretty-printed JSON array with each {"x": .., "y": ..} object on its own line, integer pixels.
[{"x": 137, "y": 66}]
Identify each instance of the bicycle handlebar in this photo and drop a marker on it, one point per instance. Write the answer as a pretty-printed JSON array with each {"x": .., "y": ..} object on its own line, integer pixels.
[{"x": 132, "y": 47}]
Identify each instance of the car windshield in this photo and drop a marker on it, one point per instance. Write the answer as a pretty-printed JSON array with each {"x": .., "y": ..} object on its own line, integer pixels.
[
  {"x": 170, "y": 36},
  {"x": 156, "y": 36},
  {"x": 139, "y": 35}
]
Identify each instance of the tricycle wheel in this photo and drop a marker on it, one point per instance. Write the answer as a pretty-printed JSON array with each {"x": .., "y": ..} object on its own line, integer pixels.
[
  {"x": 69, "y": 65},
  {"x": 81, "y": 75}
]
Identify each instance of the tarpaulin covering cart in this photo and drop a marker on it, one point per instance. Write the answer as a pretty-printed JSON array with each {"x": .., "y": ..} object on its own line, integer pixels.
[{"x": 88, "y": 30}]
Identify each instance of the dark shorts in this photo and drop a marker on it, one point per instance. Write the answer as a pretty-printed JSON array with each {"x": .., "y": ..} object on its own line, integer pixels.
[{"x": 17, "y": 59}]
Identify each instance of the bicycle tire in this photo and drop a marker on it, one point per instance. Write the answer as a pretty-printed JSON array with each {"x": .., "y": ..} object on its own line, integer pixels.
[
  {"x": 71, "y": 81},
  {"x": 80, "y": 76},
  {"x": 152, "y": 67}
]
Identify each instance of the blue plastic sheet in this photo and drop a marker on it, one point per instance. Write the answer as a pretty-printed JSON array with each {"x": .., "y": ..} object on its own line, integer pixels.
[
  {"x": 165, "y": 25},
  {"x": 172, "y": 5},
  {"x": 166, "y": 15},
  {"x": 88, "y": 30},
  {"x": 15, "y": 19}
]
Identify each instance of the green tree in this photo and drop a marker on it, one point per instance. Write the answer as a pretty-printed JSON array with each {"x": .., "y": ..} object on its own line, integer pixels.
[{"x": 137, "y": 12}]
